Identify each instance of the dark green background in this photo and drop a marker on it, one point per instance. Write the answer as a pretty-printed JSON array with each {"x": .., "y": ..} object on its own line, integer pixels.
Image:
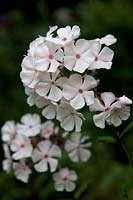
[{"x": 107, "y": 176}]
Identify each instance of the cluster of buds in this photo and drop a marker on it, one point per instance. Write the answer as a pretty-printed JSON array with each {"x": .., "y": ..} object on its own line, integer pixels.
[
  {"x": 58, "y": 74},
  {"x": 32, "y": 145}
]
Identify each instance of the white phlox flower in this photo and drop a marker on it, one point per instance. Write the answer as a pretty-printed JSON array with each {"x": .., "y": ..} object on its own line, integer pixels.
[
  {"x": 69, "y": 118},
  {"x": 66, "y": 34},
  {"x": 119, "y": 111},
  {"x": 102, "y": 58},
  {"x": 22, "y": 171},
  {"x": 77, "y": 147},
  {"x": 7, "y": 162},
  {"x": 78, "y": 56},
  {"x": 50, "y": 86},
  {"x": 8, "y": 131},
  {"x": 78, "y": 90},
  {"x": 114, "y": 110},
  {"x": 46, "y": 154},
  {"x": 49, "y": 34},
  {"x": 48, "y": 57},
  {"x": 21, "y": 147},
  {"x": 47, "y": 129},
  {"x": 29, "y": 74},
  {"x": 30, "y": 125},
  {"x": 65, "y": 180},
  {"x": 103, "y": 104}
]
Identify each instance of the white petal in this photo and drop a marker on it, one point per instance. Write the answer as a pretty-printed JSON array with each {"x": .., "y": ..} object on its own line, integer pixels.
[
  {"x": 108, "y": 40},
  {"x": 55, "y": 94},
  {"x": 42, "y": 89},
  {"x": 69, "y": 62},
  {"x": 59, "y": 187},
  {"x": 78, "y": 123},
  {"x": 68, "y": 123},
  {"x": 54, "y": 151},
  {"x": 42, "y": 166},
  {"x": 89, "y": 97},
  {"x": 44, "y": 146},
  {"x": 108, "y": 98},
  {"x": 53, "y": 66},
  {"x": 89, "y": 82},
  {"x": 70, "y": 186},
  {"x": 106, "y": 54},
  {"x": 53, "y": 164},
  {"x": 96, "y": 106},
  {"x": 84, "y": 154},
  {"x": 78, "y": 102},
  {"x": 80, "y": 66},
  {"x": 49, "y": 112},
  {"x": 99, "y": 120}
]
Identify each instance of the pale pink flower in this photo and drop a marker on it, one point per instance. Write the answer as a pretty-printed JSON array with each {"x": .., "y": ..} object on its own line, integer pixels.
[
  {"x": 102, "y": 58},
  {"x": 69, "y": 118},
  {"x": 46, "y": 154},
  {"x": 48, "y": 57},
  {"x": 77, "y": 147},
  {"x": 21, "y": 147},
  {"x": 22, "y": 171},
  {"x": 7, "y": 162},
  {"x": 50, "y": 86},
  {"x": 78, "y": 56},
  {"x": 47, "y": 129},
  {"x": 65, "y": 180},
  {"x": 78, "y": 90},
  {"x": 30, "y": 125}
]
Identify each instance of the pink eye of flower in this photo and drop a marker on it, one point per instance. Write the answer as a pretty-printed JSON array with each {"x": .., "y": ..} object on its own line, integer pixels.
[
  {"x": 64, "y": 39},
  {"x": 80, "y": 91},
  {"x": 96, "y": 58},
  {"x": 30, "y": 126},
  {"x": 78, "y": 56},
  {"x": 52, "y": 82},
  {"x": 50, "y": 56},
  {"x": 22, "y": 146},
  {"x": 65, "y": 179},
  {"x": 46, "y": 156}
]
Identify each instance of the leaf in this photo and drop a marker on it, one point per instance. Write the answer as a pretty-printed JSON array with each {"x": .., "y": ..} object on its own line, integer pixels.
[
  {"x": 127, "y": 129},
  {"x": 81, "y": 189},
  {"x": 108, "y": 139}
]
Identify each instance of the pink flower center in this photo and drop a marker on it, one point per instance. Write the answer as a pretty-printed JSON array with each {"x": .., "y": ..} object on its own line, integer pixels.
[
  {"x": 78, "y": 56},
  {"x": 96, "y": 58},
  {"x": 65, "y": 179},
  {"x": 50, "y": 56},
  {"x": 30, "y": 126},
  {"x": 52, "y": 82},
  {"x": 46, "y": 156},
  {"x": 64, "y": 39},
  {"x": 22, "y": 146},
  {"x": 80, "y": 91}
]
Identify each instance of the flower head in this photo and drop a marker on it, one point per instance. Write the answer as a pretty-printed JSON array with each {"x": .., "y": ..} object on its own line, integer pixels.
[{"x": 64, "y": 180}]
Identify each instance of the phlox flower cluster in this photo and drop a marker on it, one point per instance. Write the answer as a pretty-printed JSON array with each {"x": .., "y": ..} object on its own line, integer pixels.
[
  {"x": 34, "y": 146},
  {"x": 58, "y": 76}
]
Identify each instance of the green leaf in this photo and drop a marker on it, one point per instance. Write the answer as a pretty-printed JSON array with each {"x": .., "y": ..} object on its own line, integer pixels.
[
  {"x": 82, "y": 189},
  {"x": 108, "y": 139},
  {"x": 127, "y": 129}
]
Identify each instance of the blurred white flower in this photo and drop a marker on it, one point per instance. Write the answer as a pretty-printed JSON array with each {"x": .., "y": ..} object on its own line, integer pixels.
[
  {"x": 29, "y": 74},
  {"x": 65, "y": 180},
  {"x": 48, "y": 57},
  {"x": 47, "y": 129},
  {"x": 77, "y": 146},
  {"x": 7, "y": 162},
  {"x": 69, "y": 118},
  {"x": 78, "y": 56},
  {"x": 78, "y": 90},
  {"x": 22, "y": 171},
  {"x": 103, "y": 58},
  {"x": 21, "y": 147},
  {"x": 50, "y": 86},
  {"x": 8, "y": 131},
  {"x": 30, "y": 125},
  {"x": 46, "y": 154}
]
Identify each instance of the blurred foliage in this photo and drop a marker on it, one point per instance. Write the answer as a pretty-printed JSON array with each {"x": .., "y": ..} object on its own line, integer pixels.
[{"x": 108, "y": 174}]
